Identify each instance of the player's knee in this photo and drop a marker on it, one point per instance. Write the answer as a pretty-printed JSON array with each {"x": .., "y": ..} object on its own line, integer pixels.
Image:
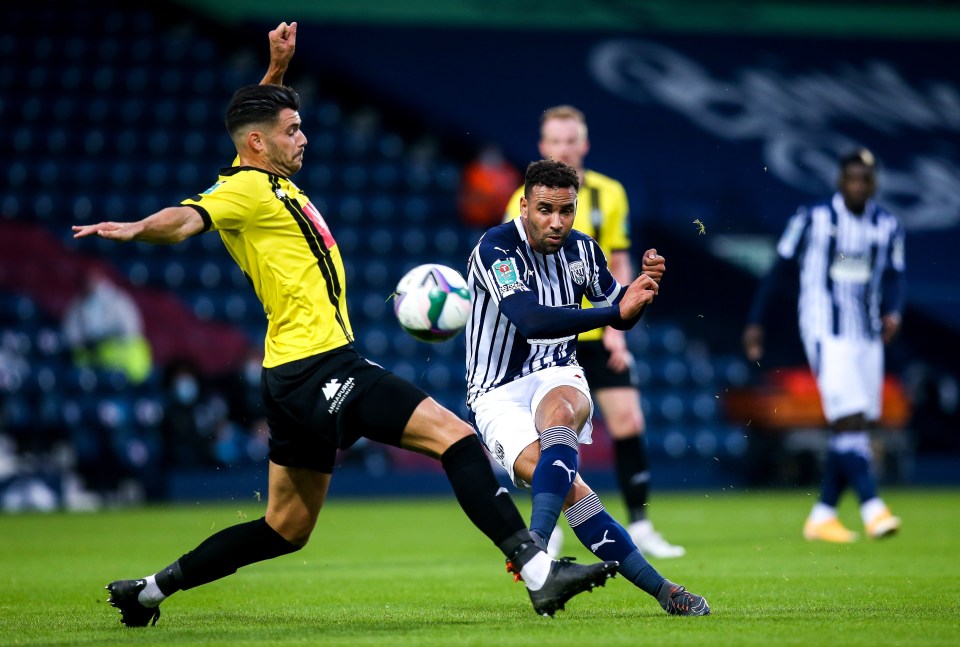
[
  {"x": 625, "y": 427},
  {"x": 295, "y": 527},
  {"x": 559, "y": 412}
]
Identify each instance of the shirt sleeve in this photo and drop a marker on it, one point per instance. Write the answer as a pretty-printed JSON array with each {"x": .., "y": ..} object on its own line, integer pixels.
[
  {"x": 498, "y": 268},
  {"x": 787, "y": 249},
  {"x": 227, "y": 203},
  {"x": 793, "y": 235},
  {"x": 893, "y": 285},
  {"x": 537, "y": 321}
]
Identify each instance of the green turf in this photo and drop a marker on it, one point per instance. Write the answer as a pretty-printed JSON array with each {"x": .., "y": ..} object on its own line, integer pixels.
[{"x": 414, "y": 572}]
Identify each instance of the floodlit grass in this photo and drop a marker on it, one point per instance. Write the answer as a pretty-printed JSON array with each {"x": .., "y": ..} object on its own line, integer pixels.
[{"x": 415, "y": 572}]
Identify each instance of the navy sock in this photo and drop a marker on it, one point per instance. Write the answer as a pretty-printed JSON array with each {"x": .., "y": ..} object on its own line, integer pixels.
[
  {"x": 834, "y": 479},
  {"x": 855, "y": 459},
  {"x": 553, "y": 477},
  {"x": 608, "y": 540},
  {"x": 633, "y": 475}
]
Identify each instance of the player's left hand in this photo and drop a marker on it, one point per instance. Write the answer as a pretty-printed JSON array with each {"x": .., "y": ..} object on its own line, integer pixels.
[
  {"x": 615, "y": 341},
  {"x": 891, "y": 326},
  {"x": 653, "y": 265}
]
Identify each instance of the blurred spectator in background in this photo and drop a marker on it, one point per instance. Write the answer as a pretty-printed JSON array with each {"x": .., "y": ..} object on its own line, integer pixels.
[
  {"x": 241, "y": 390},
  {"x": 104, "y": 329},
  {"x": 485, "y": 185},
  {"x": 604, "y": 214},
  {"x": 850, "y": 252},
  {"x": 188, "y": 433}
]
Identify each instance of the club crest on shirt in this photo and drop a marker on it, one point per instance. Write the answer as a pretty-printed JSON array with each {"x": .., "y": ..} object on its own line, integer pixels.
[{"x": 578, "y": 271}]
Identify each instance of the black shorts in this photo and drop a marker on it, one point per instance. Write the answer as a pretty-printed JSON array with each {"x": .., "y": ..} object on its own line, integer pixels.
[
  {"x": 327, "y": 402},
  {"x": 593, "y": 357}
]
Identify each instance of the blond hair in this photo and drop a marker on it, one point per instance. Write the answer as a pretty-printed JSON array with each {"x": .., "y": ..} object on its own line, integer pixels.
[{"x": 564, "y": 112}]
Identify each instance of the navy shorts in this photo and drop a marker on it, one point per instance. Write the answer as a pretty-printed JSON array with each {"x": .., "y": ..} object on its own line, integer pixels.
[
  {"x": 592, "y": 356},
  {"x": 327, "y": 402}
]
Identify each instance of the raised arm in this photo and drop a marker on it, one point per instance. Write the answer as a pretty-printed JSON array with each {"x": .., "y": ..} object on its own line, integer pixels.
[
  {"x": 165, "y": 227},
  {"x": 283, "y": 43}
]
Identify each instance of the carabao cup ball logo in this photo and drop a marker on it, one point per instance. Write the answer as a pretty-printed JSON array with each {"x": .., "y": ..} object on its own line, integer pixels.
[{"x": 432, "y": 302}]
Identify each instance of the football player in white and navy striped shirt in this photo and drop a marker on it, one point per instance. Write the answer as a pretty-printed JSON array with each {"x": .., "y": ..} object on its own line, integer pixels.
[
  {"x": 528, "y": 397},
  {"x": 850, "y": 252}
]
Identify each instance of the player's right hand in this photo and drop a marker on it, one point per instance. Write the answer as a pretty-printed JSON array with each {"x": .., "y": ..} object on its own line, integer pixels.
[
  {"x": 639, "y": 294},
  {"x": 120, "y": 231},
  {"x": 753, "y": 342}
]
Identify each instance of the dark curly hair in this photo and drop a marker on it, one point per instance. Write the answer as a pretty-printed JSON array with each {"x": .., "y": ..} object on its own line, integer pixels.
[
  {"x": 550, "y": 173},
  {"x": 860, "y": 157}
]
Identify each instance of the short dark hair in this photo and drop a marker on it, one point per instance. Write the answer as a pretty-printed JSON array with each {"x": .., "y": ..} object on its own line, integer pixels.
[
  {"x": 552, "y": 174},
  {"x": 860, "y": 156},
  {"x": 253, "y": 104}
]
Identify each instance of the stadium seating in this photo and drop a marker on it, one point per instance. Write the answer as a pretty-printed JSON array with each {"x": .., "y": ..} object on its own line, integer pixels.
[{"x": 111, "y": 118}]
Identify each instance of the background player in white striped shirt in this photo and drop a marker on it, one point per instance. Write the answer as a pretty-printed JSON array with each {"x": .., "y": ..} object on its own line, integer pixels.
[
  {"x": 851, "y": 257},
  {"x": 528, "y": 396}
]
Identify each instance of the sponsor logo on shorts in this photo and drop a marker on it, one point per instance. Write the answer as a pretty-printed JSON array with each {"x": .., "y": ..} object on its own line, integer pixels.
[
  {"x": 336, "y": 393},
  {"x": 500, "y": 453}
]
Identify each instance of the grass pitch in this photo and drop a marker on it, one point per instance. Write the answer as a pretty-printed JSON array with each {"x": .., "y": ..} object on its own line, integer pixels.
[{"x": 415, "y": 572}]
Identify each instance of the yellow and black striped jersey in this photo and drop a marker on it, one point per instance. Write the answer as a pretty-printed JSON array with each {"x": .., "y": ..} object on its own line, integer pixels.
[
  {"x": 602, "y": 213},
  {"x": 284, "y": 247}
]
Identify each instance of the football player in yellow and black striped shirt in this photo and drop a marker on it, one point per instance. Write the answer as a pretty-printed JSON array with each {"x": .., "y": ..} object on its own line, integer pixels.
[
  {"x": 604, "y": 214},
  {"x": 320, "y": 394}
]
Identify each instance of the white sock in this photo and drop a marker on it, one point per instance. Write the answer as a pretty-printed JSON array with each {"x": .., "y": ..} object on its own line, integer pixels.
[
  {"x": 151, "y": 596},
  {"x": 822, "y": 512},
  {"x": 535, "y": 571},
  {"x": 640, "y": 528},
  {"x": 871, "y": 508}
]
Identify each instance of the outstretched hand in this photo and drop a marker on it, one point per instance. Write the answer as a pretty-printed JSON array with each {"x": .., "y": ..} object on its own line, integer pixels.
[
  {"x": 119, "y": 231},
  {"x": 638, "y": 294}
]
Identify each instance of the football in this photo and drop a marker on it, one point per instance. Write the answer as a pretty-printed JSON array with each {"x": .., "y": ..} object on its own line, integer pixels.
[{"x": 432, "y": 302}]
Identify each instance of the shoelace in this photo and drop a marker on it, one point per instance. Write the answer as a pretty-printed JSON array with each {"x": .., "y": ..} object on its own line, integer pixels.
[{"x": 680, "y": 599}]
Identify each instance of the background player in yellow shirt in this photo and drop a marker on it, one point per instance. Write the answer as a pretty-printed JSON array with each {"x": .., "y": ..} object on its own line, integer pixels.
[
  {"x": 603, "y": 214},
  {"x": 319, "y": 393}
]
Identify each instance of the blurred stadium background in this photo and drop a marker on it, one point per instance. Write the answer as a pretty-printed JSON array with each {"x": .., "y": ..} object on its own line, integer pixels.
[{"x": 729, "y": 113}]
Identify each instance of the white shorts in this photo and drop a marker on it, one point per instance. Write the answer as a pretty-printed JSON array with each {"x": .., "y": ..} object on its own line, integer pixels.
[
  {"x": 849, "y": 375},
  {"x": 504, "y": 416}
]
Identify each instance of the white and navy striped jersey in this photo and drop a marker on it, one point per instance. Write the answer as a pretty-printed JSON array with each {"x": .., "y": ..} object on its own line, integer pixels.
[
  {"x": 503, "y": 267},
  {"x": 843, "y": 258}
]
